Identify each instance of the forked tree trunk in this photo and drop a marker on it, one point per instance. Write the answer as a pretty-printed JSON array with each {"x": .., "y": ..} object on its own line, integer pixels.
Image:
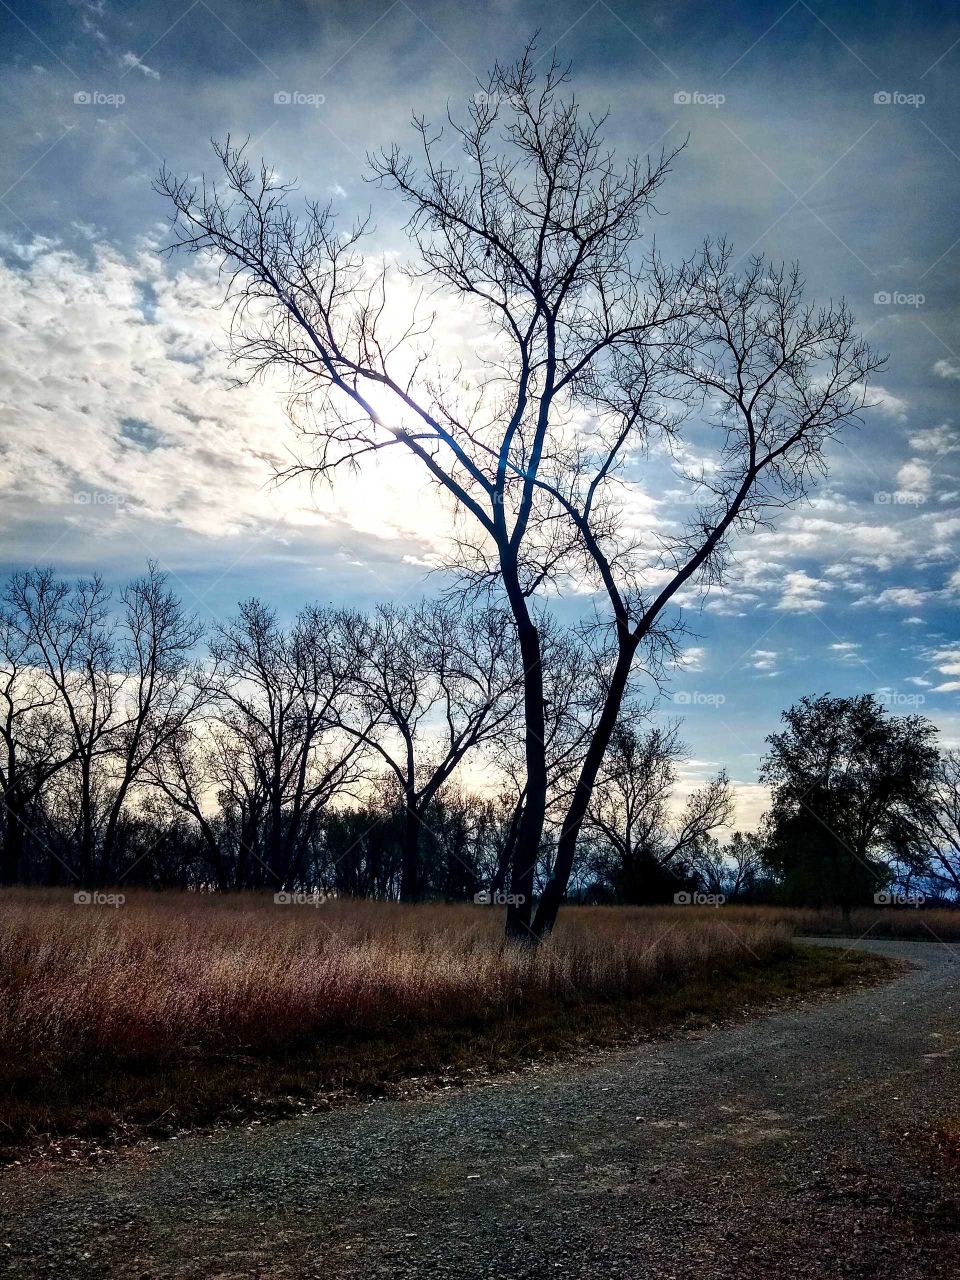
[
  {"x": 410, "y": 888},
  {"x": 526, "y": 849},
  {"x": 556, "y": 887}
]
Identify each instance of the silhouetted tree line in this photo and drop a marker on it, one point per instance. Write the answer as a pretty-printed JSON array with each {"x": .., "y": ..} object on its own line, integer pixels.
[
  {"x": 330, "y": 754},
  {"x": 337, "y": 754}
]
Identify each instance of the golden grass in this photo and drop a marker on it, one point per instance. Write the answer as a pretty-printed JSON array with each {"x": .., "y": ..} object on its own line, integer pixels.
[
  {"x": 181, "y": 1008},
  {"x": 921, "y": 925},
  {"x": 165, "y": 976}
]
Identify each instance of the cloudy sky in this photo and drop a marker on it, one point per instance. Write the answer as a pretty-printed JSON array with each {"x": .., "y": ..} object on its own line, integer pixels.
[{"x": 825, "y": 133}]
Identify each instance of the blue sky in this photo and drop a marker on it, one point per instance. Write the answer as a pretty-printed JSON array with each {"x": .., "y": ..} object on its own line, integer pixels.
[{"x": 826, "y": 133}]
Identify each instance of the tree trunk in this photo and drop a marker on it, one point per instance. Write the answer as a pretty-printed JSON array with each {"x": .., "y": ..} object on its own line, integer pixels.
[
  {"x": 556, "y": 887},
  {"x": 526, "y": 850},
  {"x": 11, "y": 857},
  {"x": 410, "y": 889},
  {"x": 506, "y": 853}
]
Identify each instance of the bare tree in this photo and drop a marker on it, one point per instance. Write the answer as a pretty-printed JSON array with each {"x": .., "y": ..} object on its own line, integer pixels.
[
  {"x": 122, "y": 683},
  {"x": 276, "y": 750},
  {"x": 435, "y": 684},
  {"x": 596, "y": 352},
  {"x": 33, "y": 745},
  {"x": 942, "y": 824},
  {"x": 631, "y": 810}
]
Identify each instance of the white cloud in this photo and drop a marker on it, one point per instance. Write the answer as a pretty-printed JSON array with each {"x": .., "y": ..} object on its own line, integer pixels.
[
  {"x": 764, "y": 660},
  {"x": 692, "y": 659},
  {"x": 947, "y": 369},
  {"x": 117, "y": 409},
  {"x": 886, "y": 402},
  {"x": 939, "y": 440},
  {"x": 898, "y": 597},
  {"x": 130, "y": 60},
  {"x": 914, "y": 477},
  {"x": 801, "y": 591},
  {"x": 947, "y": 660}
]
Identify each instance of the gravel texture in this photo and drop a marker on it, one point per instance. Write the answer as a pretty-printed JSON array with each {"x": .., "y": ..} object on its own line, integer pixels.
[{"x": 797, "y": 1144}]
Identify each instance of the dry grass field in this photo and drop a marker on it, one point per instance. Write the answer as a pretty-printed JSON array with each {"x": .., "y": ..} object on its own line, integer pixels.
[{"x": 178, "y": 1007}]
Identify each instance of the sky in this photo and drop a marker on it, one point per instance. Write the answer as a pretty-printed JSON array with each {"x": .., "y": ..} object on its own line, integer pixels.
[{"x": 826, "y": 134}]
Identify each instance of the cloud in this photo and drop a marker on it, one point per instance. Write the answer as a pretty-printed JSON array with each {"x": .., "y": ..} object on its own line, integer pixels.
[
  {"x": 939, "y": 440},
  {"x": 764, "y": 659},
  {"x": 913, "y": 478},
  {"x": 130, "y": 60},
  {"x": 692, "y": 659},
  {"x": 897, "y": 597},
  {"x": 802, "y": 592},
  {"x": 945, "y": 660},
  {"x": 947, "y": 369},
  {"x": 118, "y": 411},
  {"x": 886, "y": 402}
]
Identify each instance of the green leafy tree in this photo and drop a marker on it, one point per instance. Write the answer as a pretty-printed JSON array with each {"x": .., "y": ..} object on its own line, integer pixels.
[{"x": 852, "y": 791}]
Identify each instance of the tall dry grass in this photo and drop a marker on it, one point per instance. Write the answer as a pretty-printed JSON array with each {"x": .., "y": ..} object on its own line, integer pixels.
[
  {"x": 920, "y": 925},
  {"x": 174, "y": 977}
]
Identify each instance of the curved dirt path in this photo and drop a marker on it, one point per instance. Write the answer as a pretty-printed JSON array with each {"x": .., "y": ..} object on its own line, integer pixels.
[{"x": 795, "y": 1144}]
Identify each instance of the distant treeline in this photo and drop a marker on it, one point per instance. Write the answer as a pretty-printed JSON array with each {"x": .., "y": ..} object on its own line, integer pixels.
[{"x": 376, "y": 755}]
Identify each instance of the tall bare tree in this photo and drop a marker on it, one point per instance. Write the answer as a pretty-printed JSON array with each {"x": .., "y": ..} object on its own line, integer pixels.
[
  {"x": 278, "y": 750},
  {"x": 436, "y": 684},
  {"x": 122, "y": 682},
  {"x": 631, "y": 810},
  {"x": 596, "y": 352},
  {"x": 941, "y": 833},
  {"x": 33, "y": 744}
]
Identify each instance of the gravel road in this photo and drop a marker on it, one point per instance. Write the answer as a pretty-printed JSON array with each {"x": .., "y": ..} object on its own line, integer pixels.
[{"x": 797, "y": 1144}]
